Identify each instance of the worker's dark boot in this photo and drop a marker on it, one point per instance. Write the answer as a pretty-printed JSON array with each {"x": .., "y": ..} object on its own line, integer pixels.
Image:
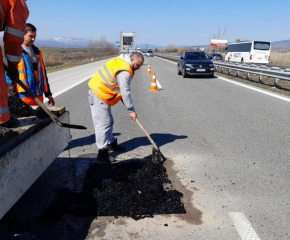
[
  {"x": 12, "y": 123},
  {"x": 115, "y": 147},
  {"x": 103, "y": 156}
]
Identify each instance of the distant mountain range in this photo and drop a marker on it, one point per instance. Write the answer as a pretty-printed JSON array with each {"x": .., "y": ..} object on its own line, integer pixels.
[
  {"x": 83, "y": 43},
  {"x": 63, "y": 42},
  {"x": 281, "y": 45}
]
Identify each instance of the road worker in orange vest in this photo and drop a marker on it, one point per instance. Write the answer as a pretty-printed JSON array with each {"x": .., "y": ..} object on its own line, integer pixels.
[
  {"x": 32, "y": 71},
  {"x": 107, "y": 87},
  {"x": 13, "y": 16}
]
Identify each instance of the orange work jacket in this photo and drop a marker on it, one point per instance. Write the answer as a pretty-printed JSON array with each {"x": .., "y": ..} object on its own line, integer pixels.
[
  {"x": 31, "y": 78},
  {"x": 13, "y": 15}
]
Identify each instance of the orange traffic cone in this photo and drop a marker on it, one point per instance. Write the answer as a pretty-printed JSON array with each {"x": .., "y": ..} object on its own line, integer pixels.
[
  {"x": 149, "y": 69},
  {"x": 153, "y": 84}
]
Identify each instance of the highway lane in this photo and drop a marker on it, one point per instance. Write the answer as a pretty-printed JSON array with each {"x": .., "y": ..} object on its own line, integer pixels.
[
  {"x": 228, "y": 147},
  {"x": 228, "y": 143},
  {"x": 61, "y": 80}
]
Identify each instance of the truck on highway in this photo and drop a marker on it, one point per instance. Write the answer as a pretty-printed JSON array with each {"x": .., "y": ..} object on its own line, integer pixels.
[{"x": 127, "y": 42}]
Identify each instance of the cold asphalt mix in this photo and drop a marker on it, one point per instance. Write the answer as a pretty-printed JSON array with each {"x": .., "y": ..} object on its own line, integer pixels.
[
  {"x": 135, "y": 188},
  {"x": 18, "y": 109}
]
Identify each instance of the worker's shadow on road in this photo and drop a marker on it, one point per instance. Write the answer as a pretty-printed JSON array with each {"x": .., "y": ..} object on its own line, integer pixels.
[
  {"x": 84, "y": 141},
  {"x": 159, "y": 138}
]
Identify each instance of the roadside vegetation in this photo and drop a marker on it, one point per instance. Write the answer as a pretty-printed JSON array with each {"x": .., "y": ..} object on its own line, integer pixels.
[
  {"x": 280, "y": 58},
  {"x": 60, "y": 58}
]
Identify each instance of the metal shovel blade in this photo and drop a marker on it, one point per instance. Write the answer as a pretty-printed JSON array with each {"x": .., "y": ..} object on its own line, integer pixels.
[
  {"x": 157, "y": 156},
  {"x": 45, "y": 109}
]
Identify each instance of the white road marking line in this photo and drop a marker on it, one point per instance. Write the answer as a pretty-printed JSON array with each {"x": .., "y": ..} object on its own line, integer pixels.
[
  {"x": 167, "y": 60},
  {"x": 257, "y": 89},
  {"x": 243, "y": 226},
  {"x": 70, "y": 87}
]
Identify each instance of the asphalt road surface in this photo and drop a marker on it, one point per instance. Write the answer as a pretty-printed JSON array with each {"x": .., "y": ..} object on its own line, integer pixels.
[{"x": 227, "y": 148}]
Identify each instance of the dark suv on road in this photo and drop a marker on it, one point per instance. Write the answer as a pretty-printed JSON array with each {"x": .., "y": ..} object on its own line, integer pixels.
[{"x": 195, "y": 63}]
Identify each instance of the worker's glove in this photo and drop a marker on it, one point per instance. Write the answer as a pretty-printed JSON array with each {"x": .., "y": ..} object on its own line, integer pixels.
[{"x": 12, "y": 73}]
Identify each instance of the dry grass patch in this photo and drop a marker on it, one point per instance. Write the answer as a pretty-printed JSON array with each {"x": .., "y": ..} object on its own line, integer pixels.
[
  {"x": 60, "y": 58},
  {"x": 280, "y": 58}
]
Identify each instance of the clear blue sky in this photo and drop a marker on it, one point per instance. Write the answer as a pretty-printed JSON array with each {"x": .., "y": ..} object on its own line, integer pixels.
[{"x": 161, "y": 22}]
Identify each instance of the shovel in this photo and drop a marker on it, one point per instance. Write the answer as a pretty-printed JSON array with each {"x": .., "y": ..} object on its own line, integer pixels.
[
  {"x": 44, "y": 108},
  {"x": 157, "y": 156}
]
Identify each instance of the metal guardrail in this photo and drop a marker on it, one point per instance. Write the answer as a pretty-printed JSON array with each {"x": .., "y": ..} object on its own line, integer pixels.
[
  {"x": 261, "y": 70},
  {"x": 258, "y": 69},
  {"x": 166, "y": 56}
]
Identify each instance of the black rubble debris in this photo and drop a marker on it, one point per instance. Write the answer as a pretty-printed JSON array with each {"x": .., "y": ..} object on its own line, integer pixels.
[
  {"x": 6, "y": 134},
  {"x": 130, "y": 188},
  {"x": 133, "y": 189},
  {"x": 40, "y": 113},
  {"x": 18, "y": 109}
]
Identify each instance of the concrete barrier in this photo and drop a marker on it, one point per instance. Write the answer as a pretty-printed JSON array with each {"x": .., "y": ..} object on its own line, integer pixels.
[{"x": 22, "y": 166}]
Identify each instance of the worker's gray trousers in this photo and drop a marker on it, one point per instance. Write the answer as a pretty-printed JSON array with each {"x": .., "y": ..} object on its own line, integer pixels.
[{"x": 103, "y": 121}]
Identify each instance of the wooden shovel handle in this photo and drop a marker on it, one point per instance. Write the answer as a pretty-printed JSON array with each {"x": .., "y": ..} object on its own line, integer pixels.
[
  {"x": 40, "y": 104},
  {"x": 148, "y": 136},
  {"x": 48, "y": 112}
]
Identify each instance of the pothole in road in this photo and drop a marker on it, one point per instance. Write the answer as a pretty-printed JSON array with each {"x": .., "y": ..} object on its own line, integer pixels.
[{"x": 135, "y": 188}]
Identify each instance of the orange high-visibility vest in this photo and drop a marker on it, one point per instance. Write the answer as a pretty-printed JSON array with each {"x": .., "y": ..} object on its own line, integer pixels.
[
  {"x": 27, "y": 76},
  {"x": 104, "y": 83}
]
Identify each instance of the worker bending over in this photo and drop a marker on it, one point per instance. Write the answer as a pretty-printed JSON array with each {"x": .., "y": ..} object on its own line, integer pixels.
[{"x": 107, "y": 87}]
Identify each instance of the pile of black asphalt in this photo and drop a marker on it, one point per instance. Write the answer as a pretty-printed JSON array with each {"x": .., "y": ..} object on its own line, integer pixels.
[
  {"x": 134, "y": 188},
  {"x": 6, "y": 134},
  {"x": 17, "y": 109}
]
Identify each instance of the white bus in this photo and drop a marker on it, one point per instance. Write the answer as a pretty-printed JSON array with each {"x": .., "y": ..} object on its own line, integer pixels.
[{"x": 248, "y": 52}]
